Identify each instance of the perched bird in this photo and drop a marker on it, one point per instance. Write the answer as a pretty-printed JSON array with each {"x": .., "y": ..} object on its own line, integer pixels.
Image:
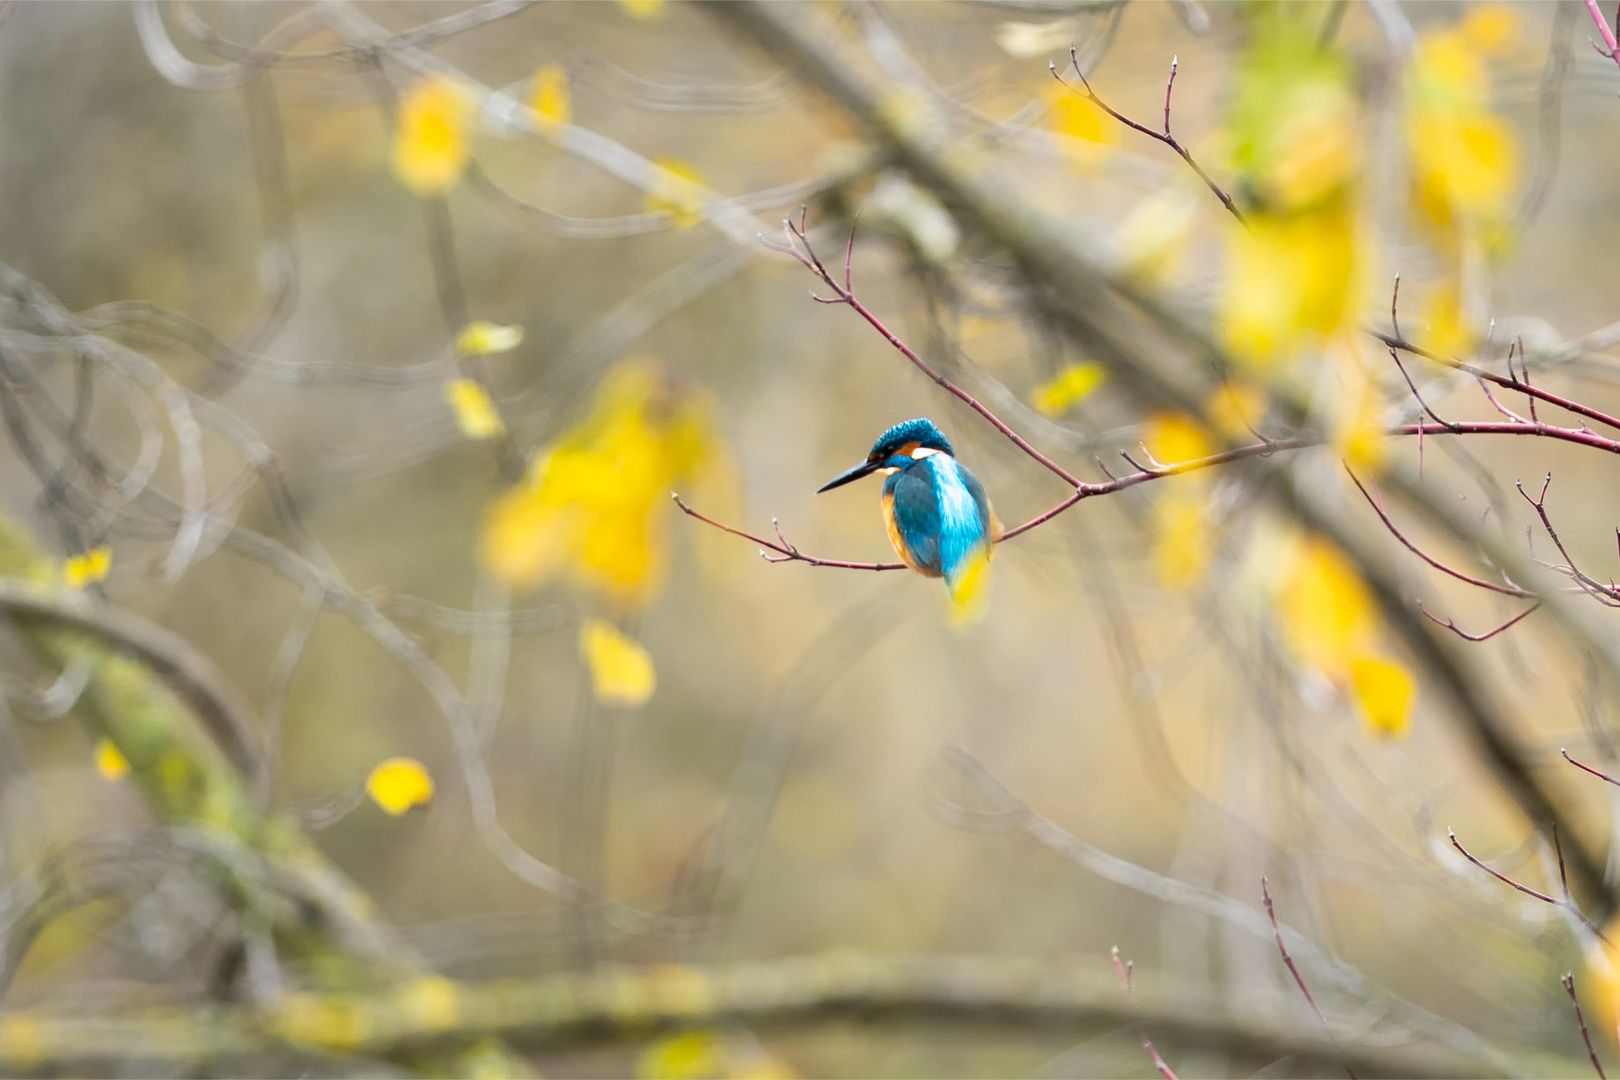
[{"x": 939, "y": 519}]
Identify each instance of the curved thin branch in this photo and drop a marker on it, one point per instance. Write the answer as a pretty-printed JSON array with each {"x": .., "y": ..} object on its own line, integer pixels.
[{"x": 216, "y": 701}]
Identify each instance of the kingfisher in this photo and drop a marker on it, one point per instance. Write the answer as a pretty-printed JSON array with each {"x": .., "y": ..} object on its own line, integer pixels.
[{"x": 939, "y": 520}]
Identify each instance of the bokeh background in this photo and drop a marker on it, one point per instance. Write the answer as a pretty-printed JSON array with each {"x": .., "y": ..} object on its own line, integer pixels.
[{"x": 801, "y": 778}]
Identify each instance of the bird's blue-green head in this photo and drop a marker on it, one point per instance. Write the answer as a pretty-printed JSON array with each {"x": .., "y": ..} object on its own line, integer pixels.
[{"x": 894, "y": 449}]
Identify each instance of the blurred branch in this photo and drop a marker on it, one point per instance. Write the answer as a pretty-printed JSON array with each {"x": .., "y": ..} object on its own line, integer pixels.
[
  {"x": 620, "y": 1005},
  {"x": 1164, "y": 137},
  {"x": 505, "y": 112},
  {"x": 218, "y": 703},
  {"x": 182, "y": 775}
]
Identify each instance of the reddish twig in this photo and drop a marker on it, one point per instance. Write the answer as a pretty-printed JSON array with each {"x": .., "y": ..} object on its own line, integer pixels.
[
  {"x": 1580, "y": 1018},
  {"x": 1567, "y": 903},
  {"x": 1611, "y": 592},
  {"x": 1503, "y": 878},
  {"x": 1164, "y": 137},
  {"x": 1524, "y": 387},
  {"x": 785, "y": 552},
  {"x": 1507, "y": 590},
  {"x": 844, "y": 294},
  {"x": 1288, "y": 961},
  {"x": 1083, "y": 490},
  {"x": 1487, "y": 635},
  {"x": 1587, "y": 768},
  {"x": 1613, "y": 50},
  {"x": 1124, "y": 972}
]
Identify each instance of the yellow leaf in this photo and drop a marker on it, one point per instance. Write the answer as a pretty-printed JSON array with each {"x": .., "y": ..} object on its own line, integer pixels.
[
  {"x": 549, "y": 97},
  {"x": 430, "y": 1003},
  {"x": 677, "y": 193},
  {"x": 480, "y": 338},
  {"x": 476, "y": 415},
  {"x": 969, "y": 591},
  {"x": 1361, "y": 441},
  {"x": 1492, "y": 28},
  {"x": 1318, "y": 149},
  {"x": 690, "y": 1055},
  {"x": 398, "y": 784},
  {"x": 1236, "y": 410},
  {"x": 1601, "y": 985},
  {"x": 1182, "y": 542},
  {"x": 1288, "y": 282},
  {"x": 1442, "y": 327},
  {"x": 1087, "y": 131},
  {"x": 595, "y": 505},
  {"x": 110, "y": 763},
  {"x": 1326, "y": 609},
  {"x": 332, "y": 1020},
  {"x": 430, "y": 140},
  {"x": 87, "y": 568},
  {"x": 1173, "y": 438},
  {"x": 642, "y": 9},
  {"x": 1383, "y": 689},
  {"x": 1072, "y": 385},
  {"x": 621, "y": 671},
  {"x": 705, "y": 1054}
]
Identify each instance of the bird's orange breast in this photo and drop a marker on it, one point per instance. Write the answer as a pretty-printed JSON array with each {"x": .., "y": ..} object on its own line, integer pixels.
[{"x": 899, "y": 543}]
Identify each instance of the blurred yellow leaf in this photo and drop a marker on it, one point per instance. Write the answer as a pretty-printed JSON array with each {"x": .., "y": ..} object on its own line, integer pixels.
[
  {"x": 1442, "y": 327},
  {"x": 1182, "y": 542},
  {"x": 110, "y": 762},
  {"x": 1293, "y": 120},
  {"x": 1288, "y": 282},
  {"x": 1360, "y": 440},
  {"x": 1236, "y": 409},
  {"x": 677, "y": 193},
  {"x": 1465, "y": 159},
  {"x": 643, "y": 9},
  {"x": 706, "y": 1055},
  {"x": 549, "y": 97},
  {"x": 476, "y": 414},
  {"x": 1602, "y": 983},
  {"x": 594, "y": 505},
  {"x": 1071, "y": 386},
  {"x": 481, "y": 338},
  {"x": 1087, "y": 131},
  {"x": 331, "y": 1020},
  {"x": 621, "y": 671},
  {"x": 398, "y": 784},
  {"x": 1318, "y": 149},
  {"x": 1326, "y": 610},
  {"x": 430, "y": 139},
  {"x": 1356, "y": 423},
  {"x": 1173, "y": 438},
  {"x": 968, "y": 591},
  {"x": 1492, "y": 28},
  {"x": 1383, "y": 689},
  {"x": 690, "y": 1055},
  {"x": 429, "y": 1003},
  {"x": 88, "y": 567}
]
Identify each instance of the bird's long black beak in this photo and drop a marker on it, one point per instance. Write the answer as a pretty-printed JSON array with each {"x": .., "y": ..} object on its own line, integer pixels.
[{"x": 863, "y": 469}]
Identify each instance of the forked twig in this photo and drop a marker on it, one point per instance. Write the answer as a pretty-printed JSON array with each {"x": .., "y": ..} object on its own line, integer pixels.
[
  {"x": 1567, "y": 903},
  {"x": 1164, "y": 137}
]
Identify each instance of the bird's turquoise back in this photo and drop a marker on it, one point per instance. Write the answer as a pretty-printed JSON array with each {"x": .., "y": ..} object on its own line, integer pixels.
[{"x": 938, "y": 516}]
